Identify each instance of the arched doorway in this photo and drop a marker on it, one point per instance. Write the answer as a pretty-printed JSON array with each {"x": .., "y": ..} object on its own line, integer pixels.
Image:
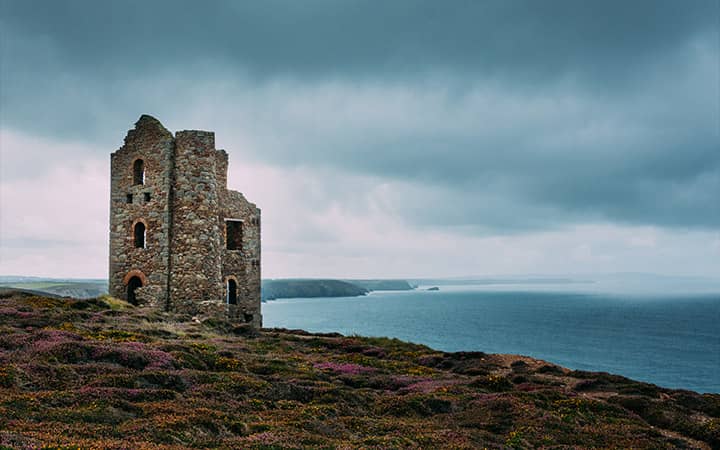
[
  {"x": 134, "y": 283},
  {"x": 231, "y": 291}
]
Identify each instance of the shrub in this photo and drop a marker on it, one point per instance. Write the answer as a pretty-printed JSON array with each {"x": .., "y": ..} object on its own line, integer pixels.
[
  {"x": 134, "y": 355},
  {"x": 344, "y": 368},
  {"x": 418, "y": 405},
  {"x": 7, "y": 376},
  {"x": 115, "y": 303},
  {"x": 550, "y": 369},
  {"x": 492, "y": 383}
]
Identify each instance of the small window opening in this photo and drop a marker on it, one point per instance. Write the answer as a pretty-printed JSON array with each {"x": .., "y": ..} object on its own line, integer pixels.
[
  {"x": 138, "y": 172},
  {"x": 133, "y": 284},
  {"x": 147, "y": 197},
  {"x": 128, "y": 198},
  {"x": 231, "y": 292},
  {"x": 248, "y": 317},
  {"x": 139, "y": 233},
  {"x": 233, "y": 234}
]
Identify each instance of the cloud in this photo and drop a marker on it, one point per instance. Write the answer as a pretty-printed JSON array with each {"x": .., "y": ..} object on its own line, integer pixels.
[
  {"x": 363, "y": 128},
  {"x": 53, "y": 221},
  {"x": 521, "y": 39},
  {"x": 479, "y": 158},
  {"x": 321, "y": 223},
  {"x": 88, "y": 53}
]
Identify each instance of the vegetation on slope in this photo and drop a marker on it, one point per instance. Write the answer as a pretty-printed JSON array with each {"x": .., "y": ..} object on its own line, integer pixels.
[{"x": 102, "y": 374}]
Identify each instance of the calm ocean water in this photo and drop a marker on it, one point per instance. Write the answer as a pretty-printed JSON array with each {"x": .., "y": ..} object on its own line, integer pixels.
[{"x": 669, "y": 340}]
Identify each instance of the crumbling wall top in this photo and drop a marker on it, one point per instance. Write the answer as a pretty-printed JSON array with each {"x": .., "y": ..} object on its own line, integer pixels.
[
  {"x": 195, "y": 141},
  {"x": 147, "y": 126},
  {"x": 235, "y": 198}
]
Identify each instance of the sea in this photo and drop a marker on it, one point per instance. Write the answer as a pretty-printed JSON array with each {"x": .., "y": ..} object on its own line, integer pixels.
[{"x": 669, "y": 339}]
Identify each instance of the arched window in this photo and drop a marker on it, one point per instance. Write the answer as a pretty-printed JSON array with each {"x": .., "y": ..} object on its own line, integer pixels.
[
  {"x": 231, "y": 292},
  {"x": 138, "y": 172},
  {"x": 139, "y": 233},
  {"x": 134, "y": 283}
]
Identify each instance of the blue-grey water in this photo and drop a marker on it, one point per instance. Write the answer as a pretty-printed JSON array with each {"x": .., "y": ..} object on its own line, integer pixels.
[{"x": 669, "y": 340}]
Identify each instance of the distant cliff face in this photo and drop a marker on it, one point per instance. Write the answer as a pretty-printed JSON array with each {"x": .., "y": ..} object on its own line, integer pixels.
[
  {"x": 303, "y": 288},
  {"x": 382, "y": 285},
  {"x": 58, "y": 288},
  {"x": 272, "y": 289}
]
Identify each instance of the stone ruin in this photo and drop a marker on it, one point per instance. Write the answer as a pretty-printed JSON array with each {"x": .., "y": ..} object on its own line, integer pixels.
[{"x": 179, "y": 239}]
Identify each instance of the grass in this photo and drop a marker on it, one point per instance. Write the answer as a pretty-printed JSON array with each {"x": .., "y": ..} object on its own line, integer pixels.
[{"x": 101, "y": 373}]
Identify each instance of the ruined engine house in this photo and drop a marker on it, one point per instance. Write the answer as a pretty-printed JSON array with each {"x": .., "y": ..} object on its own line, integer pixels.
[{"x": 179, "y": 239}]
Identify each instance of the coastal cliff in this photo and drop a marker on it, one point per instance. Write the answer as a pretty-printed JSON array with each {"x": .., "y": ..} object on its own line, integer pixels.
[
  {"x": 271, "y": 288},
  {"x": 100, "y": 373},
  {"x": 306, "y": 288},
  {"x": 383, "y": 285},
  {"x": 289, "y": 288}
]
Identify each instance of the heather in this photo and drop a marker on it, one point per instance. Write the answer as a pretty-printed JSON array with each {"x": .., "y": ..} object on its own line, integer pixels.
[{"x": 100, "y": 373}]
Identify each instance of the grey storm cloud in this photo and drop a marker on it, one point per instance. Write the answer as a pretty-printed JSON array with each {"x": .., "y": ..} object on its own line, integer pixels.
[
  {"x": 498, "y": 114},
  {"x": 604, "y": 40}
]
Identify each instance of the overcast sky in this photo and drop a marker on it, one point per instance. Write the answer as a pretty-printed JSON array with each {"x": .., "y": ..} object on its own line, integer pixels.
[{"x": 380, "y": 139}]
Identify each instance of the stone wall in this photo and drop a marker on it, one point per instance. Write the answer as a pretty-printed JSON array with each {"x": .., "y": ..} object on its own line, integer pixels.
[
  {"x": 152, "y": 143},
  {"x": 221, "y": 170},
  {"x": 195, "y": 238},
  {"x": 185, "y": 264},
  {"x": 243, "y": 264}
]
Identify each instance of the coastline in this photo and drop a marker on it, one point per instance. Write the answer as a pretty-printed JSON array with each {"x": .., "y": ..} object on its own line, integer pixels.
[{"x": 666, "y": 340}]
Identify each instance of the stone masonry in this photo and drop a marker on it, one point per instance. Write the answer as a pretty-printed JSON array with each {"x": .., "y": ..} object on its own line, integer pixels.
[{"x": 179, "y": 239}]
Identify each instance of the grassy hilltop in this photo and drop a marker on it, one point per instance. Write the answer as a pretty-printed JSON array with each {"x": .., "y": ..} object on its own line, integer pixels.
[{"x": 101, "y": 374}]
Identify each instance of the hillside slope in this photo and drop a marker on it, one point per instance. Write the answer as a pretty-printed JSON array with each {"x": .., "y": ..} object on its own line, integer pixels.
[
  {"x": 61, "y": 288},
  {"x": 102, "y": 374}
]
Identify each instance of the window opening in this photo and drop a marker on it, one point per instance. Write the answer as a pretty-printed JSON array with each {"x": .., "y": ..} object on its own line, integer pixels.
[
  {"x": 138, "y": 172},
  {"x": 139, "y": 233},
  {"x": 233, "y": 234},
  {"x": 147, "y": 197},
  {"x": 128, "y": 198},
  {"x": 232, "y": 292}
]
